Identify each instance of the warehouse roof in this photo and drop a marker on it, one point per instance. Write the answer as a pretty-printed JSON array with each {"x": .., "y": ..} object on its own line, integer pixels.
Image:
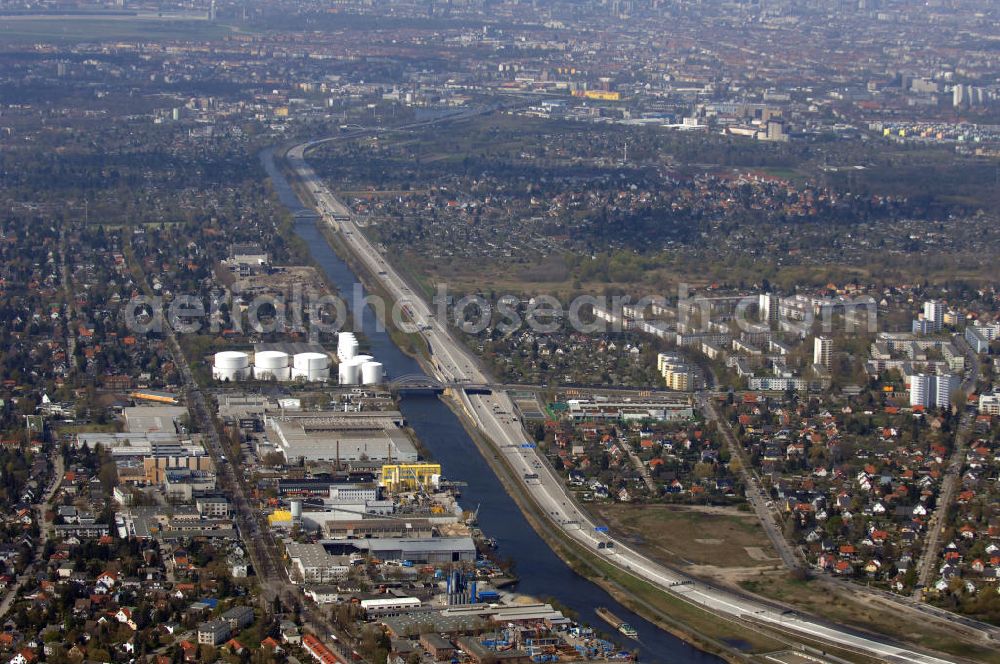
[
  {"x": 422, "y": 544},
  {"x": 312, "y": 555},
  {"x": 317, "y": 436}
]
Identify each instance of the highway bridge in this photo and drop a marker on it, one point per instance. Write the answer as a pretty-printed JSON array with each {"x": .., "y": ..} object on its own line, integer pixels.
[{"x": 425, "y": 383}]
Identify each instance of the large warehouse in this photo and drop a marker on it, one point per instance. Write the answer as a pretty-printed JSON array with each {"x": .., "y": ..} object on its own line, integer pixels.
[
  {"x": 431, "y": 550},
  {"x": 327, "y": 436}
]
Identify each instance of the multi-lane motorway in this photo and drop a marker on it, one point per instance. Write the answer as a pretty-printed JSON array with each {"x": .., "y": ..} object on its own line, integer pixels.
[{"x": 494, "y": 415}]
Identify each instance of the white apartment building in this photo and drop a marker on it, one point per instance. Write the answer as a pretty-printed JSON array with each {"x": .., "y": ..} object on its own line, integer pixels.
[
  {"x": 934, "y": 314},
  {"x": 989, "y": 404},
  {"x": 930, "y": 391},
  {"x": 823, "y": 351}
]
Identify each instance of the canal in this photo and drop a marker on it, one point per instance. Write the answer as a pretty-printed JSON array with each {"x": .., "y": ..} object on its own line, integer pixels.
[{"x": 542, "y": 574}]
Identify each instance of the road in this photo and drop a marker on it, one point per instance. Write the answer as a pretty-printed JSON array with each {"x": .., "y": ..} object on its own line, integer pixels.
[
  {"x": 68, "y": 313},
  {"x": 639, "y": 466},
  {"x": 39, "y": 508},
  {"x": 260, "y": 544},
  {"x": 256, "y": 535},
  {"x": 494, "y": 415},
  {"x": 755, "y": 493},
  {"x": 928, "y": 565}
]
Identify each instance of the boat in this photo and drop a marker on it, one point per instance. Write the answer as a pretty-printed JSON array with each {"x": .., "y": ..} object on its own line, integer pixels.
[{"x": 616, "y": 622}]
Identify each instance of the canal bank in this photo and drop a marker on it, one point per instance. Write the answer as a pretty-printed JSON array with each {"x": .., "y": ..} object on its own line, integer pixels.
[{"x": 542, "y": 573}]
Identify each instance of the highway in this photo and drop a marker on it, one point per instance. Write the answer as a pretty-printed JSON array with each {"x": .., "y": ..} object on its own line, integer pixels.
[{"x": 494, "y": 415}]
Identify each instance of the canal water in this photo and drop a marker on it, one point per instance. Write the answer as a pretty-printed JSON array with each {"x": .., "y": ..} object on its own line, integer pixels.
[{"x": 542, "y": 574}]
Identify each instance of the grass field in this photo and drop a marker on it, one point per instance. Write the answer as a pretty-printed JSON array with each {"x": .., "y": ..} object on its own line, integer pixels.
[
  {"x": 719, "y": 537},
  {"x": 77, "y": 29},
  {"x": 73, "y": 429},
  {"x": 503, "y": 277}
]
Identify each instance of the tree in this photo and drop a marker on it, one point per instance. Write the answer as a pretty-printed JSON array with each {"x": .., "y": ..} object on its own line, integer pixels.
[
  {"x": 703, "y": 470},
  {"x": 539, "y": 432},
  {"x": 958, "y": 399}
]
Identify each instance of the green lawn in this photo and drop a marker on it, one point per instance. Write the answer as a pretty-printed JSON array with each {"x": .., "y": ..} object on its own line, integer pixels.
[{"x": 83, "y": 29}]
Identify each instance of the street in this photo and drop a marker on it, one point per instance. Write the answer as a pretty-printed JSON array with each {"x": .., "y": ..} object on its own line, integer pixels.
[
  {"x": 755, "y": 493},
  {"x": 39, "y": 508}
]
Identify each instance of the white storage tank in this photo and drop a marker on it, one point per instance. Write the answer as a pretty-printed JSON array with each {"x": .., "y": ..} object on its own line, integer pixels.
[
  {"x": 311, "y": 361},
  {"x": 311, "y": 366},
  {"x": 296, "y": 509},
  {"x": 271, "y": 365},
  {"x": 231, "y": 365},
  {"x": 347, "y": 346},
  {"x": 271, "y": 359},
  {"x": 371, "y": 373},
  {"x": 348, "y": 352},
  {"x": 280, "y": 374},
  {"x": 349, "y": 373}
]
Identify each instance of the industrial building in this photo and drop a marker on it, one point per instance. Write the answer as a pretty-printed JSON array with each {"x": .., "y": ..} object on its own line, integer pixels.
[
  {"x": 638, "y": 410},
  {"x": 363, "y": 528},
  {"x": 337, "y": 436},
  {"x": 156, "y": 396},
  {"x": 153, "y": 419},
  {"x": 477, "y": 653},
  {"x": 430, "y": 550},
  {"x": 320, "y": 486},
  {"x": 164, "y": 458},
  {"x": 181, "y": 484},
  {"x": 314, "y": 564},
  {"x": 407, "y": 477},
  {"x": 146, "y": 458},
  {"x": 465, "y": 619},
  {"x": 389, "y": 606},
  {"x": 327, "y": 517},
  {"x": 352, "y": 492},
  {"x": 127, "y": 444},
  {"x": 214, "y": 507}
]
